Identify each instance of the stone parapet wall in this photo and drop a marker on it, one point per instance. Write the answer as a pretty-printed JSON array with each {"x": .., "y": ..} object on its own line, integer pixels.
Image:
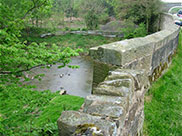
[
  {"x": 141, "y": 53},
  {"x": 116, "y": 106}
]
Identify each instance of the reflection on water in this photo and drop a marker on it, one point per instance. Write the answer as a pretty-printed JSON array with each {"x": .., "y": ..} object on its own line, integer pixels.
[{"x": 75, "y": 81}]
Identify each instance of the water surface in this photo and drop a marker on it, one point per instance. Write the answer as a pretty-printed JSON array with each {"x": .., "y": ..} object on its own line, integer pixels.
[{"x": 76, "y": 82}]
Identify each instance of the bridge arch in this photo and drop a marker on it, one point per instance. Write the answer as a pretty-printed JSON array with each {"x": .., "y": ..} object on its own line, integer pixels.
[
  {"x": 168, "y": 6},
  {"x": 175, "y": 7}
]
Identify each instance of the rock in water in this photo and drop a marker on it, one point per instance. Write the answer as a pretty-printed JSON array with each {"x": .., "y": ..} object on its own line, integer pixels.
[
  {"x": 45, "y": 35},
  {"x": 62, "y": 92}
]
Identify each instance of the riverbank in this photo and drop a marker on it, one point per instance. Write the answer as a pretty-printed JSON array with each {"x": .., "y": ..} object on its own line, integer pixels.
[
  {"x": 163, "y": 102},
  {"x": 73, "y": 41}
]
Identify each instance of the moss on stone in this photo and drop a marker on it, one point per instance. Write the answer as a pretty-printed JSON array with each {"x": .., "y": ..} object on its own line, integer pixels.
[{"x": 82, "y": 129}]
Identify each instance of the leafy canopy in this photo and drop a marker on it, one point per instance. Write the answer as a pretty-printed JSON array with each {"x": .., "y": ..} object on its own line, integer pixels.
[{"x": 17, "y": 56}]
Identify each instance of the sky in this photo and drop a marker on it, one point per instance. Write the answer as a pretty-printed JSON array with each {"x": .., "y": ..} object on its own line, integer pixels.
[{"x": 172, "y": 0}]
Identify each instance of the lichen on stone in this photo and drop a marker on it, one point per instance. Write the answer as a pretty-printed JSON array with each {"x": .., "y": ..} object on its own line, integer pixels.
[{"x": 88, "y": 130}]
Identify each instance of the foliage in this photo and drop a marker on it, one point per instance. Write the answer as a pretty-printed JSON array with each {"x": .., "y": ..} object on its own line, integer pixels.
[
  {"x": 140, "y": 11},
  {"x": 91, "y": 20},
  {"x": 73, "y": 41},
  {"x": 23, "y": 8},
  {"x": 109, "y": 5},
  {"x": 69, "y": 7},
  {"x": 17, "y": 56},
  {"x": 140, "y": 31},
  {"x": 93, "y": 12},
  {"x": 163, "y": 104},
  {"x": 26, "y": 112},
  {"x": 132, "y": 31},
  {"x": 20, "y": 107}
]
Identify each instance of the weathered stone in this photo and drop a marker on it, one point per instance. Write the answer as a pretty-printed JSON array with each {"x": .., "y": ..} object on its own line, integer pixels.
[
  {"x": 100, "y": 72},
  {"x": 88, "y": 130},
  {"x": 124, "y": 52},
  {"x": 46, "y": 35},
  {"x": 71, "y": 121},
  {"x": 104, "y": 106},
  {"x": 134, "y": 127},
  {"x": 139, "y": 77},
  {"x": 122, "y": 82},
  {"x": 106, "y": 89}
]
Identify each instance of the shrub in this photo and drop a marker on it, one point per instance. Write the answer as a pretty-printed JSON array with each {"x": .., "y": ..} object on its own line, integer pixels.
[
  {"x": 91, "y": 20},
  {"x": 140, "y": 31},
  {"x": 132, "y": 31}
]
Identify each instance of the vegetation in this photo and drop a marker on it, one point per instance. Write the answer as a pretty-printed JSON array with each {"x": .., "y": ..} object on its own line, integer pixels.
[
  {"x": 92, "y": 13},
  {"x": 163, "y": 103},
  {"x": 139, "y": 11},
  {"x": 131, "y": 31},
  {"x": 23, "y": 111},
  {"x": 17, "y": 56},
  {"x": 74, "y": 41},
  {"x": 26, "y": 112}
]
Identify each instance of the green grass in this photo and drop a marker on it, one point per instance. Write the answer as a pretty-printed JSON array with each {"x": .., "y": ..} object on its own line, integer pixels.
[
  {"x": 27, "y": 113},
  {"x": 70, "y": 40},
  {"x": 163, "y": 104}
]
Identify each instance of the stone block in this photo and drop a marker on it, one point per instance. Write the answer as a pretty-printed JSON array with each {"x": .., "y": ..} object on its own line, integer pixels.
[
  {"x": 100, "y": 72},
  {"x": 139, "y": 77},
  {"x": 106, "y": 106},
  {"x": 77, "y": 123},
  {"x": 117, "y": 87},
  {"x": 124, "y": 52},
  {"x": 123, "y": 83}
]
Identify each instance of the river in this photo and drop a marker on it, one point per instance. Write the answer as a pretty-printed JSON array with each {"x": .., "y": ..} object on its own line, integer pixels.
[{"x": 76, "y": 82}]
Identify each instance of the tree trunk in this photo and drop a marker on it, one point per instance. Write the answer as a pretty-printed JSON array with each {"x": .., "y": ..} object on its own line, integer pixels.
[
  {"x": 37, "y": 22},
  {"x": 147, "y": 24}
]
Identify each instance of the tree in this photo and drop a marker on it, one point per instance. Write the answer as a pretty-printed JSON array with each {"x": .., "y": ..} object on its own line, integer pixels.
[
  {"x": 110, "y": 5},
  {"x": 146, "y": 11},
  {"x": 16, "y": 56},
  {"x": 91, "y": 20},
  {"x": 92, "y": 11}
]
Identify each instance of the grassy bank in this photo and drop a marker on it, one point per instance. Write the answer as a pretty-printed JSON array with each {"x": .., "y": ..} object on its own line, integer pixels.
[
  {"x": 24, "y": 112},
  {"x": 69, "y": 40},
  {"x": 163, "y": 103}
]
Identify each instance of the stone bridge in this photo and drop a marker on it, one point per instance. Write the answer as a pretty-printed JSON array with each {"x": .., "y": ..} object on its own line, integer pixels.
[
  {"x": 116, "y": 106},
  {"x": 168, "y": 6}
]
